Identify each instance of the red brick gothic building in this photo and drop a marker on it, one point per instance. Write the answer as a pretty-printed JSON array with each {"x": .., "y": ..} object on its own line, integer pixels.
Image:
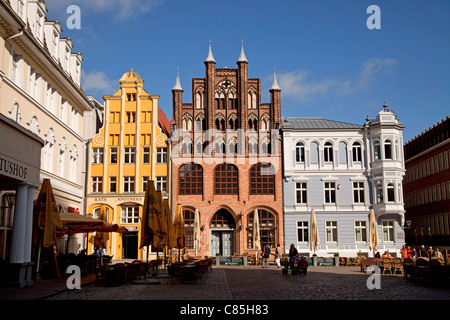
[{"x": 227, "y": 159}]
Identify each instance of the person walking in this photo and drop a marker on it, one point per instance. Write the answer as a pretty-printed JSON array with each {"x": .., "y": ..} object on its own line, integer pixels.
[
  {"x": 265, "y": 256},
  {"x": 278, "y": 255}
]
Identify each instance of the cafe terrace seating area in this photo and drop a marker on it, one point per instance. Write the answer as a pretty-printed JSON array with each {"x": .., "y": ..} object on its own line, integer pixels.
[
  {"x": 426, "y": 271},
  {"x": 189, "y": 270}
]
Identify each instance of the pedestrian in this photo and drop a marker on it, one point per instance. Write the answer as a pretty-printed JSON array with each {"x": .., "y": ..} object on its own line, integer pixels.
[
  {"x": 293, "y": 253},
  {"x": 409, "y": 252},
  {"x": 423, "y": 251},
  {"x": 386, "y": 255},
  {"x": 404, "y": 252},
  {"x": 303, "y": 265},
  {"x": 265, "y": 256},
  {"x": 430, "y": 252},
  {"x": 414, "y": 254},
  {"x": 278, "y": 256},
  {"x": 438, "y": 254},
  {"x": 377, "y": 255}
]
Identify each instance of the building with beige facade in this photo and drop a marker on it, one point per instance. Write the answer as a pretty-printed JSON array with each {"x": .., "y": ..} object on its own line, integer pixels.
[{"x": 40, "y": 92}]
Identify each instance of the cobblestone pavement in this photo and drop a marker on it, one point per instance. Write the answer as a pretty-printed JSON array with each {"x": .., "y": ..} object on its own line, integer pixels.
[{"x": 256, "y": 283}]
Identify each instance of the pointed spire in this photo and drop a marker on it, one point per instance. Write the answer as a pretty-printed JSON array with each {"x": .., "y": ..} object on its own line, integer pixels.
[
  {"x": 177, "y": 85},
  {"x": 275, "y": 85},
  {"x": 210, "y": 55},
  {"x": 242, "y": 57}
]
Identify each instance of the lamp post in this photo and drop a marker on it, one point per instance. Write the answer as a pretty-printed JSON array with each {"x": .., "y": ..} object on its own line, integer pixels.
[{"x": 10, "y": 199}]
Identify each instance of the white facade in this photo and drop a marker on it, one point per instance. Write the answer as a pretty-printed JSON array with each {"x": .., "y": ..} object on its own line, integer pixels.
[
  {"x": 342, "y": 171},
  {"x": 40, "y": 90}
]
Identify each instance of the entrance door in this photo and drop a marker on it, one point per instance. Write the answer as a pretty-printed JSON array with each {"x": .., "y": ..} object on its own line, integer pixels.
[
  {"x": 227, "y": 243},
  {"x": 222, "y": 243},
  {"x": 130, "y": 245},
  {"x": 215, "y": 243}
]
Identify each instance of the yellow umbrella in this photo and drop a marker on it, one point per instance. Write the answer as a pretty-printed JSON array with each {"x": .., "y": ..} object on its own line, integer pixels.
[
  {"x": 101, "y": 237},
  {"x": 256, "y": 236},
  {"x": 196, "y": 231},
  {"x": 179, "y": 232},
  {"x": 373, "y": 235},
  {"x": 314, "y": 244},
  {"x": 172, "y": 240},
  {"x": 151, "y": 217}
]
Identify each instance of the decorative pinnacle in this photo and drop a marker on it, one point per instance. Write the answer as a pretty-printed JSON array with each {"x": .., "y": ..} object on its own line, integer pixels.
[
  {"x": 242, "y": 57},
  {"x": 275, "y": 85},
  {"x": 210, "y": 55},
  {"x": 177, "y": 85}
]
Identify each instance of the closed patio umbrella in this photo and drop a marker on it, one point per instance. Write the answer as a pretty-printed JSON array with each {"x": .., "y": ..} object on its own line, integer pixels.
[
  {"x": 179, "y": 231},
  {"x": 101, "y": 237},
  {"x": 47, "y": 226},
  {"x": 314, "y": 245},
  {"x": 373, "y": 235},
  {"x": 172, "y": 240},
  {"x": 151, "y": 230},
  {"x": 256, "y": 235},
  {"x": 196, "y": 231}
]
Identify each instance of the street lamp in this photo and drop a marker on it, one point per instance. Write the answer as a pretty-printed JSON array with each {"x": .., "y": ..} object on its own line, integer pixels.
[
  {"x": 10, "y": 199},
  {"x": 407, "y": 224}
]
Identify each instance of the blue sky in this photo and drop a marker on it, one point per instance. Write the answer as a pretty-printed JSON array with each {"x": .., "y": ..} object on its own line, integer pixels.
[{"x": 328, "y": 63}]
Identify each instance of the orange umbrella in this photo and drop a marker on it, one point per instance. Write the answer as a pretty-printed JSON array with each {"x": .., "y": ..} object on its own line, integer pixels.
[
  {"x": 179, "y": 231},
  {"x": 172, "y": 240}
]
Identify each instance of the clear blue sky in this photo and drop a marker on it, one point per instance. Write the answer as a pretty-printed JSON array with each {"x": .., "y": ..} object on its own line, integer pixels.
[{"x": 328, "y": 63}]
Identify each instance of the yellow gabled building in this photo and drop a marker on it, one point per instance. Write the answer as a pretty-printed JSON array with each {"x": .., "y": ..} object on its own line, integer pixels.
[{"x": 130, "y": 150}]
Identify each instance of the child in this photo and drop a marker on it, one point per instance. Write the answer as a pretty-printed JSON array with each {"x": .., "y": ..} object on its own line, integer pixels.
[{"x": 303, "y": 265}]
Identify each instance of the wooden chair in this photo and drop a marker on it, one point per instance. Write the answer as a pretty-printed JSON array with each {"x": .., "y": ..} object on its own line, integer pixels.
[
  {"x": 387, "y": 265},
  {"x": 398, "y": 265}
]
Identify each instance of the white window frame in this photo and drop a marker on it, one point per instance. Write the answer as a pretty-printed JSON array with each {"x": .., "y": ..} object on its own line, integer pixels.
[
  {"x": 302, "y": 188},
  {"x": 358, "y": 191},
  {"x": 97, "y": 155},
  {"x": 97, "y": 185},
  {"x": 128, "y": 184},
  {"x": 161, "y": 155},
  {"x": 331, "y": 225},
  {"x": 129, "y": 155},
  {"x": 129, "y": 214},
  {"x": 331, "y": 191},
  {"x": 302, "y": 226},
  {"x": 361, "y": 230},
  {"x": 388, "y": 229}
]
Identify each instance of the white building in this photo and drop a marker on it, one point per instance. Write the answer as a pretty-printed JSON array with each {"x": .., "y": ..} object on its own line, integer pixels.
[
  {"x": 342, "y": 171},
  {"x": 40, "y": 90}
]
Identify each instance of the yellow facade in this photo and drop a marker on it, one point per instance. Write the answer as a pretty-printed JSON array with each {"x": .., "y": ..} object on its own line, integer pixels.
[{"x": 130, "y": 149}]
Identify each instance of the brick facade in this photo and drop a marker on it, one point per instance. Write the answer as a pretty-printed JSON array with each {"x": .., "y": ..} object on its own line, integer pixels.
[{"x": 225, "y": 100}]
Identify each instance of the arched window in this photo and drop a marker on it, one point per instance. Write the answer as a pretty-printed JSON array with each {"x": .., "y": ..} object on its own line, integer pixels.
[
  {"x": 252, "y": 147},
  {"x": 262, "y": 179},
  {"x": 328, "y": 152},
  {"x": 299, "y": 152},
  {"x": 376, "y": 150},
  {"x": 222, "y": 219},
  {"x": 226, "y": 179},
  {"x": 356, "y": 152},
  {"x": 267, "y": 227},
  {"x": 191, "y": 179},
  {"x": 388, "y": 150}
]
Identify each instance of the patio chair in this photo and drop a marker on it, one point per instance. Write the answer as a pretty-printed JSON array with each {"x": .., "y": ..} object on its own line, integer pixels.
[
  {"x": 387, "y": 265},
  {"x": 398, "y": 265}
]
